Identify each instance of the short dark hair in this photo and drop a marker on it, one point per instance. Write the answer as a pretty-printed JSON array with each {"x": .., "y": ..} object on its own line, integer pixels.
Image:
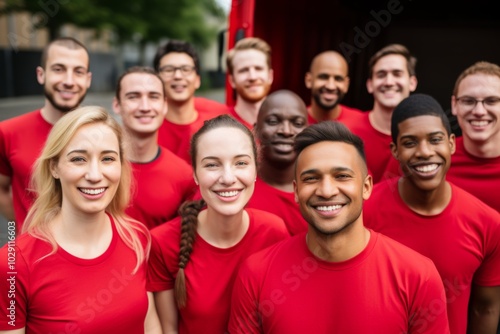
[
  {"x": 393, "y": 49},
  {"x": 176, "y": 46},
  {"x": 417, "y": 105},
  {"x": 328, "y": 131},
  {"x": 67, "y": 42},
  {"x": 136, "y": 69}
]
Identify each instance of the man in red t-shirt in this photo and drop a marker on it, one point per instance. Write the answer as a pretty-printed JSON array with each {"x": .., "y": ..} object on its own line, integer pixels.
[
  {"x": 475, "y": 166},
  {"x": 251, "y": 76},
  {"x": 281, "y": 117},
  {"x": 391, "y": 79},
  {"x": 178, "y": 65},
  {"x": 423, "y": 211},
  {"x": 64, "y": 74},
  {"x": 339, "y": 277},
  {"x": 328, "y": 80},
  {"x": 162, "y": 180}
]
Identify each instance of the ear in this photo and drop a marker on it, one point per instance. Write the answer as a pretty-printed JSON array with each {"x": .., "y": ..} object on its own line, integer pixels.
[
  {"x": 89, "y": 79},
  {"x": 54, "y": 169},
  {"x": 454, "y": 105},
  {"x": 452, "y": 141},
  {"x": 195, "y": 179},
  {"x": 40, "y": 75},
  {"x": 197, "y": 82},
  {"x": 369, "y": 86},
  {"x": 271, "y": 76},
  {"x": 413, "y": 83},
  {"x": 347, "y": 83},
  {"x": 367, "y": 187},
  {"x": 308, "y": 80},
  {"x": 295, "y": 194},
  {"x": 394, "y": 150},
  {"x": 116, "y": 106},
  {"x": 165, "y": 109},
  {"x": 231, "y": 81}
]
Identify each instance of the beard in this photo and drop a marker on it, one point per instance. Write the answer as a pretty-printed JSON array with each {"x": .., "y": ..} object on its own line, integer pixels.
[
  {"x": 61, "y": 108},
  {"x": 331, "y": 105},
  {"x": 253, "y": 97}
]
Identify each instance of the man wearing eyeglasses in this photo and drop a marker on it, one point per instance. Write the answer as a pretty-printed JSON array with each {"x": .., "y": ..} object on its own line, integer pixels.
[
  {"x": 178, "y": 65},
  {"x": 475, "y": 102}
]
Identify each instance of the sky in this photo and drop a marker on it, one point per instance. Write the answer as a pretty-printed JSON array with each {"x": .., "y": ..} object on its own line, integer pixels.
[{"x": 226, "y": 4}]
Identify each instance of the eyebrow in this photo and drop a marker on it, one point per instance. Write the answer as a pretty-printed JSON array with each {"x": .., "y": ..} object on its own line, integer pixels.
[
  {"x": 334, "y": 170},
  {"x": 85, "y": 152},
  {"x": 429, "y": 134},
  {"x": 218, "y": 158}
]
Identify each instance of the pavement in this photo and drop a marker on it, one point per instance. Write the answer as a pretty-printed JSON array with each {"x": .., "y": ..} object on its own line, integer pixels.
[{"x": 11, "y": 107}]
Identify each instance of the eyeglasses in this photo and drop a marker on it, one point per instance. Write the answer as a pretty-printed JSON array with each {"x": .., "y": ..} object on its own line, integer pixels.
[
  {"x": 470, "y": 103},
  {"x": 169, "y": 70}
]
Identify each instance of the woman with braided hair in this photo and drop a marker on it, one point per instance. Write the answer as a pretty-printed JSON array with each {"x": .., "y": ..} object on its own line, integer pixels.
[{"x": 195, "y": 257}]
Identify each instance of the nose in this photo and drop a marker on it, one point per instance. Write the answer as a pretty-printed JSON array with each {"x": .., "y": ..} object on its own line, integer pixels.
[
  {"x": 285, "y": 129},
  {"x": 177, "y": 72},
  {"x": 327, "y": 188},
  {"x": 389, "y": 79},
  {"x": 68, "y": 79},
  {"x": 330, "y": 83},
  {"x": 145, "y": 104},
  {"x": 252, "y": 73},
  {"x": 479, "y": 109},
  {"x": 227, "y": 177},
  {"x": 424, "y": 150},
  {"x": 94, "y": 173}
]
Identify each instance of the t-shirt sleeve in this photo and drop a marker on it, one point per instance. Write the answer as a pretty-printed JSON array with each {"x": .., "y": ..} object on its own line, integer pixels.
[
  {"x": 428, "y": 313},
  {"x": 488, "y": 274},
  {"x": 158, "y": 276},
  {"x": 13, "y": 286},
  {"x": 244, "y": 317}
]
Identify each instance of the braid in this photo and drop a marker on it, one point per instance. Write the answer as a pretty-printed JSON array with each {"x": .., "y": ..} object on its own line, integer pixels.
[{"x": 189, "y": 213}]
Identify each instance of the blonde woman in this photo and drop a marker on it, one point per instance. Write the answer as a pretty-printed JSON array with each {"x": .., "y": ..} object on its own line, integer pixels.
[{"x": 80, "y": 265}]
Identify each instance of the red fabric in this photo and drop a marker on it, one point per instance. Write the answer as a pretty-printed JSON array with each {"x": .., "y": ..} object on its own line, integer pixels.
[
  {"x": 65, "y": 294},
  {"x": 377, "y": 146},
  {"x": 463, "y": 243},
  {"x": 161, "y": 186},
  {"x": 479, "y": 176},
  {"x": 233, "y": 113},
  {"x": 177, "y": 137},
  {"x": 387, "y": 288},
  {"x": 210, "y": 272},
  {"x": 279, "y": 202},
  {"x": 347, "y": 115},
  {"x": 21, "y": 141}
]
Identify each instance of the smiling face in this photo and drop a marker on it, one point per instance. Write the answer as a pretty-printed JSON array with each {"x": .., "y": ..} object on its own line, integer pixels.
[
  {"x": 331, "y": 185},
  {"x": 225, "y": 169},
  {"x": 328, "y": 80},
  {"x": 89, "y": 170},
  {"x": 142, "y": 104},
  {"x": 424, "y": 151},
  {"x": 390, "y": 82},
  {"x": 65, "y": 78},
  {"x": 179, "y": 85},
  {"x": 280, "y": 119},
  {"x": 481, "y": 123},
  {"x": 251, "y": 76}
]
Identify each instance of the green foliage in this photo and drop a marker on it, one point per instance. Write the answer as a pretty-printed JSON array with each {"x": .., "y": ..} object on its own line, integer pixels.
[{"x": 142, "y": 21}]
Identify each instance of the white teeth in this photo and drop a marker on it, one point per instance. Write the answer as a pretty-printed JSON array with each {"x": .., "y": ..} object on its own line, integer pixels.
[
  {"x": 479, "y": 123},
  {"x": 426, "y": 168},
  {"x": 92, "y": 191},
  {"x": 328, "y": 208},
  {"x": 228, "y": 193}
]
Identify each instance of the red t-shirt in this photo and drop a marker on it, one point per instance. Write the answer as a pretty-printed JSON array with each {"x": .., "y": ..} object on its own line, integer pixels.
[
  {"x": 21, "y": 141},
  {"x": 462, "y": 241},
  {"x": 233, "y": 113},
  {"x": 387, "y": 288},
  {"x": 347, "y": 115},
  {"x": 210, "y": 272},
  {"x": 279, "y": 202},
  {"x": 377, "y": 146},
  {"x": 479, "y": 176},
  {"x": 177, "y": 137},
  {"x": 62, "y": 293},
  {"x": 160, "y": 187}
]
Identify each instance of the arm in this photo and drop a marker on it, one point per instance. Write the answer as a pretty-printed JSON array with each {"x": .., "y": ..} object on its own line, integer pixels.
[
  {"x": 484, "y": 310},
  {"x": 167, "y": 311},
  {"x": 6, "y": 207},
  {"x": 152, "y": 323},
  {"x": 16, "y": 331}
]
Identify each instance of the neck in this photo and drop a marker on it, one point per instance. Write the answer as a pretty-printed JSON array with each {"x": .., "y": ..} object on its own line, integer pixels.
[
  {"x": 279, "y": 177},
  {"x": 181, "y": 112},
  {"x": 142, "y": 149},
  {"x": 321, "y": 114},
  {"x": 220, "y": 230},
  {"x": 485, "y": 149},
  {"x": 340, "y": 246},
  {"x": 248, "y": 111},
  {"x": 380, "y": 119},
  {"x": 427, "y": 203},
  {"x": 51, "y": 114}
]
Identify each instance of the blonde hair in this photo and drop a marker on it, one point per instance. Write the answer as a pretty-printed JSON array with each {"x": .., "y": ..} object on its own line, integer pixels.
[
  {"x": 248, "y": 43},
  {"x": 49, "y": 192}
]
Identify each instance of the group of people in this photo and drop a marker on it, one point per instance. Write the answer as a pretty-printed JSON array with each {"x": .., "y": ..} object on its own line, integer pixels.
[{"x": 268, "y": 216}]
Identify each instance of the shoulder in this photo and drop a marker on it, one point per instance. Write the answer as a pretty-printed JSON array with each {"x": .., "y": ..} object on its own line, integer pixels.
[
  {"x": 263, "y": 220},
  {"x": 27, "y": 120}
]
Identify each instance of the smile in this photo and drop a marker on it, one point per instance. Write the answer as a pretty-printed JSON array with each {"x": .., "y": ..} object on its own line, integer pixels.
[
  {"x": 89, "y": 191},
  {"x": 328, "y": 207},
  {"x": 426, "y": 168},
  {"x": 227, "y": 193}
]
